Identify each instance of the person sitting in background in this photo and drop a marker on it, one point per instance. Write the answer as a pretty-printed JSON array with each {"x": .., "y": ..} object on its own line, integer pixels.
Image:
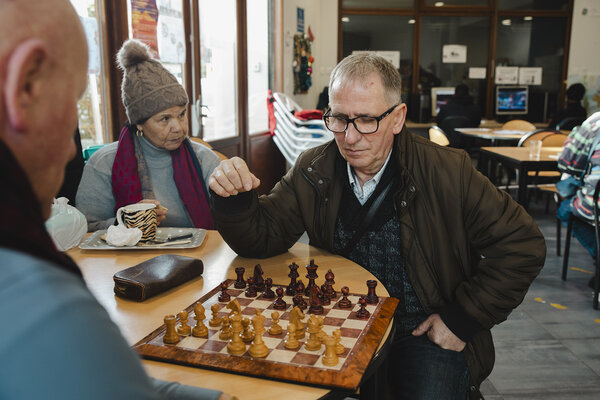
[
  {"x": 573, "y": 108},
  {"x": 154, "y": 160},
  {"x": 578, "y": 158},
  {"x": 57, "y": 340},
  {"x": 461, "y": 104}
]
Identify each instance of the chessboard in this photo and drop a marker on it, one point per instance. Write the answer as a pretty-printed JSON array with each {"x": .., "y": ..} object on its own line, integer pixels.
[{"x": 359, "y": 338}]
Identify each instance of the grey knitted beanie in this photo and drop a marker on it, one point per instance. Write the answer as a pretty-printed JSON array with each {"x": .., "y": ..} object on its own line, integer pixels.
[{"x": 148, "y": 87}]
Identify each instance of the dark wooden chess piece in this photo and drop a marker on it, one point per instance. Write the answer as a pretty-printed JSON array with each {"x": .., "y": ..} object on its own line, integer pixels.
[
  {"x": 329, "y": 281},
  {"x": 240, "y": 283},
  {"x": 315, "y": 301},
  {"x": 259, "y": 282},
  {"x": 371, "y": 298},
  {"x": 362, "y": 313},
  {"x": 299, "y": 302},
  {"x": 300, "y": 287},
  {"x": 325, "y": 300},
  {"x": 251, "y": 290},
  {"x": 344, "y": 301},
  {"x": 268, "y": 294},
  {"x": 291, "y": 289},
  {"x": 311, "y": 275},
  {"x": 279, "y": 304},
  {"x": 224, "y": 297}
]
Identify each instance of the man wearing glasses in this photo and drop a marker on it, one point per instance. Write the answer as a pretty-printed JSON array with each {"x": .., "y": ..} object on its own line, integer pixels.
[{"x": 458, "y": 253}]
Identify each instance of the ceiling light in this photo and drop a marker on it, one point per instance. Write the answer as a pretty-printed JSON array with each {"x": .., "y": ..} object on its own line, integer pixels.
[
  {"x": 411, "y": 21},
  {"x": 527, "y": 18},
  {"x": 506, "y": 22},
  {"x": 439, "y": 4},
  {"x": 345, "y": 19}
]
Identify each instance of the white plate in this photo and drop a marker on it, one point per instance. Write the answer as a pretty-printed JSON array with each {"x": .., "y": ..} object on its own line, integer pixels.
[{"x": 95, "y": 242}]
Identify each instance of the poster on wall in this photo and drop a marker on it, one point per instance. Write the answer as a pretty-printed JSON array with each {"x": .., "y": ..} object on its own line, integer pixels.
[
  {"x": 300, "y": 20},
  {"x": 392, "y": 56},
  {"x": 477, "y": 73},
  {"x": 454, "y": 53},
  {"x": 507, "y": 75},
  {"x": 530, "y": 76},
  {"x": 171, "y": 38},
  {"x": 144, "y": 21}
]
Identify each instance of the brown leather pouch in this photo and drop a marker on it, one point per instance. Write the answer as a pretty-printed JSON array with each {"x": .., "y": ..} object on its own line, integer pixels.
[{"x": 155, "y": 276}]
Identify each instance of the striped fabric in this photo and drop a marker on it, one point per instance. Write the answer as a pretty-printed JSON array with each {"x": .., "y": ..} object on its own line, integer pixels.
[{"x": 573, "y": 161}]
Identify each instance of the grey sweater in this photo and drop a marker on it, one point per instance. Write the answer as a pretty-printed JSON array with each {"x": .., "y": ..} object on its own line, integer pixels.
[{"x": 95, "y": 197}]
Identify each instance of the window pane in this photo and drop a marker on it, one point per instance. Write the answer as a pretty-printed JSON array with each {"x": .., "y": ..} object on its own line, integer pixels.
[
  {"x": 382, "y": 33},
  {"x": 470, "y": 32},
  {"x": 92, "y": 106},
  {"x": 438, "y": 3},
  {"x": 258, "y": 65},
  {"x": 218, "y": 68},
  {"x": 535, "y": 42},
  {"x": 378, "y": 4},
  {"x": 533, "y": 4}
]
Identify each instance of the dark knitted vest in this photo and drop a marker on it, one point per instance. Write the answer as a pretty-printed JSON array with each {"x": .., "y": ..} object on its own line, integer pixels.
[{"x": 378, "y": 250}]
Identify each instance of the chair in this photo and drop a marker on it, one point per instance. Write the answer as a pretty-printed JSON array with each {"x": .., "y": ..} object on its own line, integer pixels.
[
  {"x": 292, "y": 135},
  {"x": 448, "y": 126},
  {"x": 596, "y": 224},
  {"x": 551, "y": 191},
  {"x": 198, "y": 140},
  {"x": 437, "y": 135},
  {"x": 569, "y": 123},
  {"x": 519, "y": 125}
]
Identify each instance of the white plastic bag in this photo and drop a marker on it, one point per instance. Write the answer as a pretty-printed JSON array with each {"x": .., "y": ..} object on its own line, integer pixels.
[{"x": 66, "y": 225}]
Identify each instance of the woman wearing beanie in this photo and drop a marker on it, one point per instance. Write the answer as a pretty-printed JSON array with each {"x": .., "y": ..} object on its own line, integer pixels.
[{"x": 153, "y": 161}]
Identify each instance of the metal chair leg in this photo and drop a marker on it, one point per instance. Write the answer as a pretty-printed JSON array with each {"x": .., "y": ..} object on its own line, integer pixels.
[{"x": 567, "y": 246}]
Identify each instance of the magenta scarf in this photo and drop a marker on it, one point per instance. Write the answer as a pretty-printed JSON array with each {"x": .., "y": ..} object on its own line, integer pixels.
[{"x": 127, "y": 187}]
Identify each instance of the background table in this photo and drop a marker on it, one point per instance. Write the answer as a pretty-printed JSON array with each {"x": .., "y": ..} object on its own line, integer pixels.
[
  {"x": 136, "y": 320},
  {"x": 518, "y": 158}
]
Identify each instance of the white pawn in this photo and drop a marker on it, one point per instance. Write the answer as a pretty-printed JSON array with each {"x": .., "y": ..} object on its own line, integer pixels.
[{"x": 275, "y": 328}]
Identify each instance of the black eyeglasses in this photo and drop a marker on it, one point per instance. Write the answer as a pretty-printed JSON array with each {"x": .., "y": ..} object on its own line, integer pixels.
[{"x": 364, "y": 125}]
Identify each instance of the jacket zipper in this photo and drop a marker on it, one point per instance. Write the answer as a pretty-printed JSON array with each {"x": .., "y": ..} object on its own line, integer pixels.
[{"x": 317, "y": 212}]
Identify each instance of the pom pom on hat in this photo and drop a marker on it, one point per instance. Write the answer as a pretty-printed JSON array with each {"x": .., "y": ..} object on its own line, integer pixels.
[
  {"x": 133, "y": 52},
  {"x": 148, "y": 87}
]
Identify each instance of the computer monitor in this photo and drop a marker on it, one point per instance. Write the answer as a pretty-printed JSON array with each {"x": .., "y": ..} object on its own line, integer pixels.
[
  {"x": 439, "y": 97},
  {"x": 511, "y": 100}
]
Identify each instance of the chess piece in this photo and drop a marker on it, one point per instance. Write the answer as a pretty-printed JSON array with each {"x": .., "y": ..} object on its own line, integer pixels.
[
  {"x": 300, "y": 289},
  {"x": 330, "y": 357},
  {"x": 258, "y": 348},
  {"x": 235, "y": 307},
  {"x": 291, "y": 342},
  {"x": 240, "y": 283},
  {"x": 329, "y": 281},
  {"x": 183, "y": 329},
  {"x": 371, "y": 298},
  {"x": 311, "y": 275},
  {"x": 275, "y": 328},
  {"x": 291, "y": 289},
  {"x": 313, "y": 343},
  {"x": 325, "y": 300},
  {"x": 225, "y": 333},
  {"x": 362, "y": 313},
  {"x": 344, "y": 301},
  {"x": 315, "y": 301},
  {"x": 259, "y": 282},
  {"x": 299, "y": 301},
  {"x": 224, "y": 297},
  {"x": 171, "y": 336},
  {"x": 339, "y": 348},
  {"x": 251, "y": 290},
  {"x": 236, "y": 346},
  {"x": 200, "y": 330},
  {"x": 279, "y": 304},
  {"x": 247, "y": 334},
  {"x": 268, "y": 293},
  {"x": 215, "y": 320},
  {"x": 296, "y": 317}
]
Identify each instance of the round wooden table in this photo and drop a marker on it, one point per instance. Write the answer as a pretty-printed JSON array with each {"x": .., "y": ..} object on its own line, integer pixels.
[{"x": 136, "y": 320}]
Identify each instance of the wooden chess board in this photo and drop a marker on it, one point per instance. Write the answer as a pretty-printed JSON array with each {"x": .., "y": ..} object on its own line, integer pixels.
[{"x": 360, "y": 337}]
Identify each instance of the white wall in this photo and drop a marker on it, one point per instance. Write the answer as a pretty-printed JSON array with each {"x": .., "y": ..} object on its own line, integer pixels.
[
  {"x": 584, "y": 53},
  {"x": 321, "y": 16}
]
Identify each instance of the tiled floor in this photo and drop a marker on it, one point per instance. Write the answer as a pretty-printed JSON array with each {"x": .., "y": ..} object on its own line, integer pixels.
[{"x": 549, "y": 348}]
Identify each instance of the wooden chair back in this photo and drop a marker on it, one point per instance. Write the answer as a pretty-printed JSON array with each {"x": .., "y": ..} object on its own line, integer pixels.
[
  {"x": 437, "y": 135},
  {"x": 198, "y": 140},
  {"x": 540, "y": 134},
  {"x": 519, "y": 125}
]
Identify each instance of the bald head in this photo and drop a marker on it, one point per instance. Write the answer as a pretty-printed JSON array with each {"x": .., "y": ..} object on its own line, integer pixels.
[{"x": 43, "y": 65}]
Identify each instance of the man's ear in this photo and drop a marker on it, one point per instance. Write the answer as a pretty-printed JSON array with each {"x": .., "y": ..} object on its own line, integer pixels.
[
  {"x": 23, "y": 81},
  {"x": 399, "y": 118}
]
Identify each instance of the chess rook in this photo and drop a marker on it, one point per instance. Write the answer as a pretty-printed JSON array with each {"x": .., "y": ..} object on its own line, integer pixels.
[
  {"x": 371, "y": 296},
  {"x": 240, "y": 283},
  {"x": 171, "y": 336}
]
